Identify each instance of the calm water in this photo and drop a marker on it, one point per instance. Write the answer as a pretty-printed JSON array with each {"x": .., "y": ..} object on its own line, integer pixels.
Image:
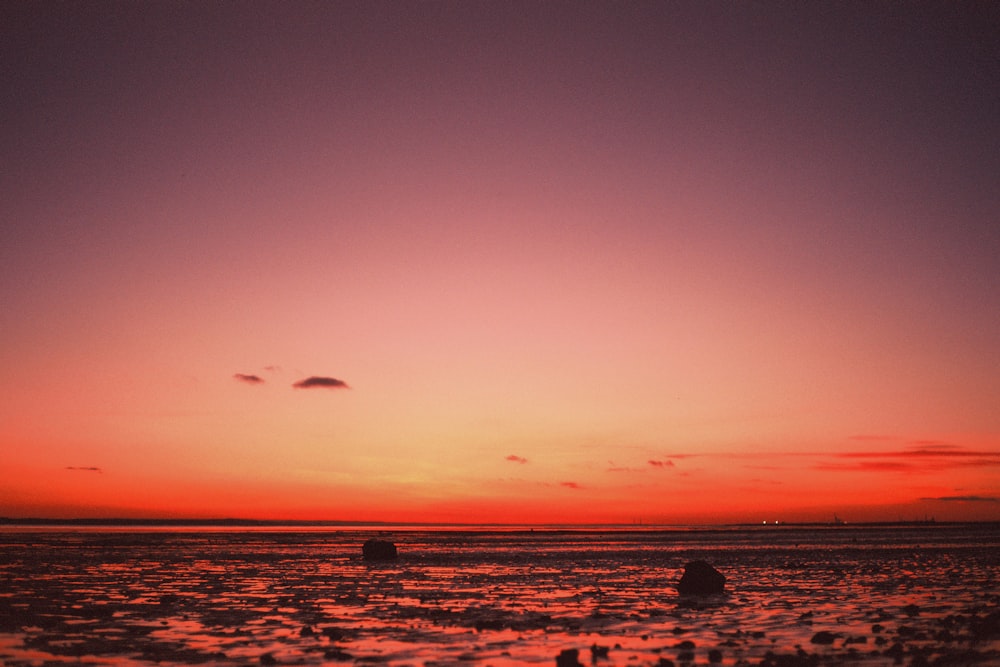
[{"x": 871, "y": 596}]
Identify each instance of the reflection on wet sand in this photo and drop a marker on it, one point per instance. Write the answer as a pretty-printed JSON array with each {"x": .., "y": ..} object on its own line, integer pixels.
[{"x": 794, "y": 597}]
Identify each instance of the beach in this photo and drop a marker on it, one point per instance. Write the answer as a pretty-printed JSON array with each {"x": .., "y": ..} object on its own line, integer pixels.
[{"x": 794, "y": 595}]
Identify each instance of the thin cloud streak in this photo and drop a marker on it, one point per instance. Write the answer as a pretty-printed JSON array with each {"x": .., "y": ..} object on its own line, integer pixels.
[
  {"x": 928, "y": 456},
  {"x": 965, "y": 499},
  {"x": 248, "y": 379},
  {"x": 936, "y": 452},
  {"x": 85, "y": 469},
  {"x": 514, "y": 458},
  {"x": 867, "y": 466}
]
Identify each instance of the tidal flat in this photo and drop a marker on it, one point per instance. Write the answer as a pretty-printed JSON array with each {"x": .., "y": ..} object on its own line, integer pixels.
[{"x": 795, "y": 595}]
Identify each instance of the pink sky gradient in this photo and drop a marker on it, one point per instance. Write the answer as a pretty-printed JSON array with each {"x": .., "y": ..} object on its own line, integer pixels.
[{"x": 540, "y": 246}]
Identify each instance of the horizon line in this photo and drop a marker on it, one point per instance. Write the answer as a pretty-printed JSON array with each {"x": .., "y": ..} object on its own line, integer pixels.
[{"x": 243, "y": 522}]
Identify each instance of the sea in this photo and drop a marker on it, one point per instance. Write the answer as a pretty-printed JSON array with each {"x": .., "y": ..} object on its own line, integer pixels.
[{"x": 795, "y": 595}]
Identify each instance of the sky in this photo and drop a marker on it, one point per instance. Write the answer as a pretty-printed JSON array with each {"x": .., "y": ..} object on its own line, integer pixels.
[{"x": 668, "y": 262}]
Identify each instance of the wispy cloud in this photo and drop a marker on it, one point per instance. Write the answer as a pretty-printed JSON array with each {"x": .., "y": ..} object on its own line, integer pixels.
[
  {"x": 933, "y": 445},
  {"x": 318, "y": 381},
  {"x": 867, "y": 466},
  {"x": 923, "y": 456},
  {"x": 965, "y": 499},
  {"x": 248, "y": 379},
  {"x": 656, "y": 463},
  {"x": 517, "y": 459},
  {"x": 570, "y": 485},
  {"x": 84, "y": 468}
]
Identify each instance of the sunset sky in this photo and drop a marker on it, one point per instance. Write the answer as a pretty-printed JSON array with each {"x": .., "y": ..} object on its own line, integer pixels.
[{"x": 499, "y": 261}]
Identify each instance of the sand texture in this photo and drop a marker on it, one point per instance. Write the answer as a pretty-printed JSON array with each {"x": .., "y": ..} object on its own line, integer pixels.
[{"x": 795, "y": 596}]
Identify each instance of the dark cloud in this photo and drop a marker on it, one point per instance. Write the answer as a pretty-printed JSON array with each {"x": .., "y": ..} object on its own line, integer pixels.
[
  {"x": 924, "y": 456},
  {"x": 319, "y": 381},
  {"x": 933, "y": 445},
  {"x": 661, "y": 464},
  {"x": 570, "y": 485},
  {"x": 84, "y": 468},
  {"x": 249, "y": 379},
  {"x": 517, "y": 459},
  {"x": 966, "y": 499},
  {"x": 868, "y": 466},
  {"x": 937, "y": 450}
]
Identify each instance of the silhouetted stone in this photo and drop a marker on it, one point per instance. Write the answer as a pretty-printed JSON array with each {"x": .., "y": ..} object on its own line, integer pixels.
[
  {"x": 490, "y": 624},
  {"x": 986, "y": 628},
  {"x": 336, "y": 654},
  {"x": 375, "y": 549},
  {"x": 598, "y": 652},
  {"x": 824, "y": 638},
  {"x": 700, "y": 578},
  {"x": 569, "y": 657}
]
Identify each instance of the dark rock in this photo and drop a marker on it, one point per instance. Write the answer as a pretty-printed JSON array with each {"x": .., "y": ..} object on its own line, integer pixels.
[
  {"x": 987, "y": 627},
  {"x": 335, "y": 633},
  {"x": 909, "y": 632},
  {"x": 598, "y": 652},
  {"x": 337, "y": 654},
  {"x": 896, "y": 651},
  {"x": 944, "y": 636},
  {"x": 800, "y": 659},
  {"x": 823, "y": 637},
  {"x": 700, "y": 578},
  {"x": 375, "y": 549},
  {"x": 490, "y": 624},
  {"x": 715, "y": 656},
  {"x": 569, "y": 657}
]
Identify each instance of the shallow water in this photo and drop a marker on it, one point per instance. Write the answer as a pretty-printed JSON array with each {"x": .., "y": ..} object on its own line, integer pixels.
[{"x": 877, "y": 595}]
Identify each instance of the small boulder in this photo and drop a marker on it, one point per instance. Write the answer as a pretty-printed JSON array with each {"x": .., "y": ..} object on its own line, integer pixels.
[
  {"x": 700, "y": 578},
  {"x": 375, "y": 549},
  {"x": 597, "y": 652},
  {"x": 824, "y": 638},
  {"x": 569, "y": 657}
]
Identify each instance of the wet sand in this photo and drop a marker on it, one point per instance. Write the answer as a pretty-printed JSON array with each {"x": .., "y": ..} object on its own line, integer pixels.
[{"x": 795, "y": 596}]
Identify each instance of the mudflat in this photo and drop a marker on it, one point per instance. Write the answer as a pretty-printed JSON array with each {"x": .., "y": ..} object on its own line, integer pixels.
[{"x": 869, "y": 595}]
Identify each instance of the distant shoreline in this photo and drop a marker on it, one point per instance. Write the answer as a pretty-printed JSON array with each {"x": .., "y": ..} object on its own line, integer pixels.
[{"x": 274, "y": 523}]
